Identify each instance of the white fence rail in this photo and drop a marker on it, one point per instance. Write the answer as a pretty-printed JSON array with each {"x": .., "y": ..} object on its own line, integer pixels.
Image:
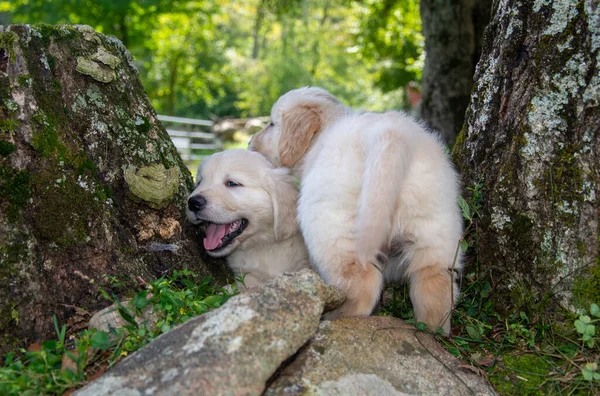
[
  {"x": 190, "y": 135},
  {"x": 196, "y": 139}
]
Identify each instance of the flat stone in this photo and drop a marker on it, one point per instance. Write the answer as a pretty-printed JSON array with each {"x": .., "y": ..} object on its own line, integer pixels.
[
  {"x": 233, "y": 350},
  {"x": 375, "y": 356},
  {"x": 110, "y": 317}
]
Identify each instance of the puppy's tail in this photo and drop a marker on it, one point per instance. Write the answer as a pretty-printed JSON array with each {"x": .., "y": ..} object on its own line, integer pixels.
[{"x": 387, "y": 159}]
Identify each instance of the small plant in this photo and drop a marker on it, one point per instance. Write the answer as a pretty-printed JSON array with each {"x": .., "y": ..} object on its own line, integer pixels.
[
  {"x": 586, "y": 327},
  {"x": 59, "y": 365},
  {"x": 40, "y": 370}
]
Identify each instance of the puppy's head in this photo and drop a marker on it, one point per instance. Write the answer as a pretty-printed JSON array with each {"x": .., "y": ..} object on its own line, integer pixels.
[
  {"x": 296, "y": 118},
  {"x": 243, "y": 201}
]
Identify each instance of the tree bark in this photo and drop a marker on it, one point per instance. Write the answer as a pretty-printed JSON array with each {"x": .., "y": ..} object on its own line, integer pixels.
[
  {"x": 532, "y": 138},
  {"x": 453, "y": 33},
  {"x": 90, "y": 184}
]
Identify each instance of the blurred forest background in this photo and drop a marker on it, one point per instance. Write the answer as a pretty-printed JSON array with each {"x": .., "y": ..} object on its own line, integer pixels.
[{"x": 222, "y": 58}]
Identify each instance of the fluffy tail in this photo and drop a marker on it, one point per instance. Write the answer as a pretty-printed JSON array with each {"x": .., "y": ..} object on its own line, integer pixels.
[{"x": 387, "y": 160}]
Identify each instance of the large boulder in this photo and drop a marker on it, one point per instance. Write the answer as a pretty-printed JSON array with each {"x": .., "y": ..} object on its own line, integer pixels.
[
  {"x": 91, "y": 186},
  {"x": 376, "y": 356},
  {"x": 233, "y": 350}
]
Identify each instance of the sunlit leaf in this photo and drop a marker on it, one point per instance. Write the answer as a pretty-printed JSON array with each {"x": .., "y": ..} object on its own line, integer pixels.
[{"x": 464, "y": 207}]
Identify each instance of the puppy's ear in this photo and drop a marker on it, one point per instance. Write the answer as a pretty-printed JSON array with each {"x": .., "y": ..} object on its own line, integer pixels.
[
  {"x": 298, "y": 126},
  {"x": 284, "y": 195}
]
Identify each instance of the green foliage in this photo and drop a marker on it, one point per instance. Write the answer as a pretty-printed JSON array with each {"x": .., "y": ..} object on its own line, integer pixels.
[
  {"x": 390, "y": 36},
  {"x": 58, "y": 365},
  {"x": 226, "y": 58}
]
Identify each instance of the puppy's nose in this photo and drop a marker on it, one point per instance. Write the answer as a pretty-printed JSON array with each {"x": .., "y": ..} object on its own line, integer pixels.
[{"x": 196, "y": 203}]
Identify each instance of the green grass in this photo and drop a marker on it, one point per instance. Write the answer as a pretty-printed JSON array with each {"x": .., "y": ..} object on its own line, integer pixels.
[
  {"x": 516, "y": 354},
  {"x": 56, "y": 366}
]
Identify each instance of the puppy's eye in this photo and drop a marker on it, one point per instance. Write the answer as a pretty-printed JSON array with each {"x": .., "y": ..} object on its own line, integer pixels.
[
  {"x": 270, "y": 124},
  {"x": 230, "y": 183},
  {"x": 198, "y": 181}
]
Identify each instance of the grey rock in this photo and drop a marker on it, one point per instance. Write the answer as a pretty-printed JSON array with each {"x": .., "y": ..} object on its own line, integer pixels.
[
  {"x": 110, "y": 317},
  {"x": 375, "y": 356},
  {"x": 233, "y": 350}
]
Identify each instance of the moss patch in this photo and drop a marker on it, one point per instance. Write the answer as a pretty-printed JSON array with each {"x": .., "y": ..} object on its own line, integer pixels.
[
  {"x": 586, "y": 288},
  {"x": 51, "y": 32},
  {"x": 67, "y": 190},
  {"x": 63, "y": 208},
  {"x": 520, "y": 375},
  {"x": 7, "y": 40},
  {"x": 15, "y": 191},
  {"x": 6, "y": 148}
]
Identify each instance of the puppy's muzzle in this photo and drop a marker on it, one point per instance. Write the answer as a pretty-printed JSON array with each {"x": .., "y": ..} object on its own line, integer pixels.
[{"x": 196, "y": 203}]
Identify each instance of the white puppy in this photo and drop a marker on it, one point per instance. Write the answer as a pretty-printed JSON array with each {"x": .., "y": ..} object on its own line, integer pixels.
[
  {"x": 378, "y": 201},
  {"x": 249, "y": 209}
]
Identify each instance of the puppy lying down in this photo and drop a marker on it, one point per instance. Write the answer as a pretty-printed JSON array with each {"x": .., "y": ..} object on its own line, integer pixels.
[{"x": 249, "y": 209}]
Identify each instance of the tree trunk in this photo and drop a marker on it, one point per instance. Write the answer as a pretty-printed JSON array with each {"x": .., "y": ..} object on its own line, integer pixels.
[
  {"x": 532, "y": 138},
  {"x": 260, "y": 16},
  {"x": 453, "y": 33},
  {"x": 90, "y": 184}
]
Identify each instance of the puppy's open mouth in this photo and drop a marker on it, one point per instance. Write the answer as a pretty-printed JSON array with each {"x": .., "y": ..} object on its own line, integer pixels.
[{"x": 219, "y": 236}]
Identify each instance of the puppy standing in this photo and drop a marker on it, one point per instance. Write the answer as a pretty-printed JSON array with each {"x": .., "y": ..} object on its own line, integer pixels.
[
  {"x": 249, "y": 208},
  {"x": 375, "y": 187}
]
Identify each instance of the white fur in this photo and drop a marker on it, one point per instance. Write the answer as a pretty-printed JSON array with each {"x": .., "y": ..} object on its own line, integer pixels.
[
  {"x": 373, "y": 185},
  {"x": 271, "y": 244}
]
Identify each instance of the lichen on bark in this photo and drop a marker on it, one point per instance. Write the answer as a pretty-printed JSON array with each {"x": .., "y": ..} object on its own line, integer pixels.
[
  {"x": 532, "y": 134},
  {"x": 66, "y": 216},
  {"x": 153, "y": 184}
]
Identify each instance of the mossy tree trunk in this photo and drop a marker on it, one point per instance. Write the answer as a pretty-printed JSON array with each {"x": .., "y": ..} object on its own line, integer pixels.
[
  {"x": 90, "y": 184},
  {"x": 453, "y": 33},
  {"x": 532, "y": 138}
]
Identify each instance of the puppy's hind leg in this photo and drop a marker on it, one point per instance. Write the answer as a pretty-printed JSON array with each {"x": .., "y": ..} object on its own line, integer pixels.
[
  {"x": 362, "y": 286},
  {"x": 432, "y": 290}
]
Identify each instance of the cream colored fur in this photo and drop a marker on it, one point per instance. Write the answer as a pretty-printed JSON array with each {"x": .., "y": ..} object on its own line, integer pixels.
[
  {"x": 378, "y": 201},
  {"x": 271, "y": 244}
]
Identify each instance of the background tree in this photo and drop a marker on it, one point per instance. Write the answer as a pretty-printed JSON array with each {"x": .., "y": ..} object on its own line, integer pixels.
[
  {"x": 531, "y": 139},
  {"x": 453, "y": 35},
  {"x": 226, "y": 58}
]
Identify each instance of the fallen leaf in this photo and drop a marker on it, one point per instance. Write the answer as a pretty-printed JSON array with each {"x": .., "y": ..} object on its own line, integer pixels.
[
  {"x": 486, "y": 361},
  {"x": 68, "y": 363},
  {"x": 473, "y": 369},
  {"x": 34, "y": 347}
]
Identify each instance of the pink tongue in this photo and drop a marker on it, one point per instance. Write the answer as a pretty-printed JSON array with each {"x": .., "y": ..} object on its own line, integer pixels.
[{"x": 214, "y": 234}]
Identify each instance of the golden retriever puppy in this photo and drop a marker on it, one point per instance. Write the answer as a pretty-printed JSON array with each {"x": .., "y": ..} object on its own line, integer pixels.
[
  {"x": 378, "y": 201},
  {"x": 249, "y": 209}
]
